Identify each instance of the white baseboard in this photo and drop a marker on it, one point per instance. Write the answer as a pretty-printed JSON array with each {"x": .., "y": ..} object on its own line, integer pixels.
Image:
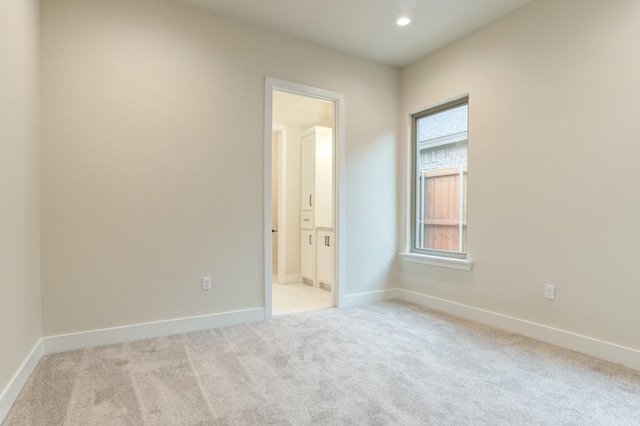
[
  {"x": 10, "y": 393},
  {"x": 576, "y": 342},
  {"x": 127, "y": 333},
  {"x": 370, "y": 297},
  {"x": 291, "y": 279}
]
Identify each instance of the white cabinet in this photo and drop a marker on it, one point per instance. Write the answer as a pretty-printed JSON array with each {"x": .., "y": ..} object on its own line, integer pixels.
[
  {"x": 307, "y": 172},
  {"x": 307, "y": 254},
  {"x": 325, "y": 252},
  {"x": 316, "y": 174},
  {"x": 316, "y": 204}
]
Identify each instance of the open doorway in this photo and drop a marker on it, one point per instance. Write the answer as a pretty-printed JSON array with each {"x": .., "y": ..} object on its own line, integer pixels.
[
  {"x": 302, "y": 198},
  {"x": 306, "y": 224}
]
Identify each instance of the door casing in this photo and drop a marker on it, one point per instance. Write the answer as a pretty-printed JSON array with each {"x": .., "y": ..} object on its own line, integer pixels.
[{"x": 339, "y": 184}]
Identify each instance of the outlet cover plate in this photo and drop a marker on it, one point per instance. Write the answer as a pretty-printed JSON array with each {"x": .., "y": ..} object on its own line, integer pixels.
[
  {"x": 206, "y": 283},
  {"x": 549, "y": 291}
]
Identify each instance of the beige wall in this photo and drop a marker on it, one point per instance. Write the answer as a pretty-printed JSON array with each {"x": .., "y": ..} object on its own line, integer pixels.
[
  {"x": 152, "y": 155},
  {"x": 554, "y": 144},
  {"x": 19, "y": 204}
]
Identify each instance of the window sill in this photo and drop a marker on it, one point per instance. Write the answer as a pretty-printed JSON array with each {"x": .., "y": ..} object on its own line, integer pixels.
[{"x": 443, "y": 262}]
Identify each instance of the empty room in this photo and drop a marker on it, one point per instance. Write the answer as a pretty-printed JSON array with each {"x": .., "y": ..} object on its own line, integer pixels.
[{"x": 453, "y": 181}]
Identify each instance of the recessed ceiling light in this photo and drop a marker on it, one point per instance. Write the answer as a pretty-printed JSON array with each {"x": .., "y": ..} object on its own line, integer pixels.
[{"x": 403, "y": 21}]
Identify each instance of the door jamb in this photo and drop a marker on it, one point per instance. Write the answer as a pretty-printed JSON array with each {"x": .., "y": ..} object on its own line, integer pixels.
[{"x": 282, "y": 201}]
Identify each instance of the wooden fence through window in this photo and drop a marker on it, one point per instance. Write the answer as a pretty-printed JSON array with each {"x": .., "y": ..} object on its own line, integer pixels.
[{"x": 444, "y": 210}]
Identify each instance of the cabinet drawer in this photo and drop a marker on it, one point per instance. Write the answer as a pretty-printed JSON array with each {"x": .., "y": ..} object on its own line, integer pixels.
[{"x": 306, "y": 220}]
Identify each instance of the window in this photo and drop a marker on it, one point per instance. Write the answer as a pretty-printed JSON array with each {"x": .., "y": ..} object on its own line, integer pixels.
[{"x": 439, "y": 201}]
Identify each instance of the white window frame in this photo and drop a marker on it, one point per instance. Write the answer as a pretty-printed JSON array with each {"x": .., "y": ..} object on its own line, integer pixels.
[{"x": 446, "y": 259}]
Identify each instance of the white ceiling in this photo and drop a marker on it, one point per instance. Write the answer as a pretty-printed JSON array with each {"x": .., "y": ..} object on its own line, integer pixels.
[{"x": 367, "y": 28}]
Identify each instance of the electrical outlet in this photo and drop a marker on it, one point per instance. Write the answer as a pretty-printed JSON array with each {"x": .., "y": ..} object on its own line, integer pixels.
[
  {"x": 206, "y": 283},
  {"x": 549, "y": 291}
]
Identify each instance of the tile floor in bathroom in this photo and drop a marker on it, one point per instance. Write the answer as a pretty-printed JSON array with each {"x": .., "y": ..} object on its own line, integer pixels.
[{"x": 288, "y": 298}]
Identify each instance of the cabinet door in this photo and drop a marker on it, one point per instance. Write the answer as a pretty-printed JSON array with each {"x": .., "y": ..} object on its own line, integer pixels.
[
  {"x": 325, "y": 257},
  {"x": 307, "y": 255},
  {"x": 307, "y": 173},
  {"x": 323, "y": 181}
]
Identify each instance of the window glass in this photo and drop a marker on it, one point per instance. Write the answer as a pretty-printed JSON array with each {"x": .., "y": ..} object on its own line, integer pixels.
[{"x": 440, "y": 180}]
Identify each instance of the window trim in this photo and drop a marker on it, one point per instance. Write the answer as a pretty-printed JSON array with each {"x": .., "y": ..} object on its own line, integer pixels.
[
  {"x": 430, "y": 256},
  {"x": 441, "y": 261}
]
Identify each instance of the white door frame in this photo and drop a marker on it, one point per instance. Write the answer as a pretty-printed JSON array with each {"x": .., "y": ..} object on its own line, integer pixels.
[
  {"x": 339, "y": 184},
  {"x": 282, "y": 201}
]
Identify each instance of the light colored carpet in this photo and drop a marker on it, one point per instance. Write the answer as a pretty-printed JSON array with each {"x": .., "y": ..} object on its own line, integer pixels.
[{"x": 390, "y": 363}]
